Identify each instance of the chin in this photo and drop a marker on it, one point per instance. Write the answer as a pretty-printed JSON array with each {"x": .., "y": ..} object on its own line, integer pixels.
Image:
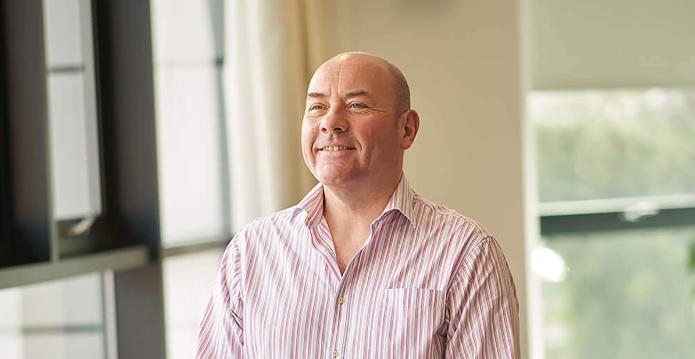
[
  {"x": 332, "y": 179},
  {"x": 337, "y": 175}
]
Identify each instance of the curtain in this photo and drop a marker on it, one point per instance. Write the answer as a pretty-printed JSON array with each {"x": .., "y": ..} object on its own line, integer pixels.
[{"x": 271, "y": 49}]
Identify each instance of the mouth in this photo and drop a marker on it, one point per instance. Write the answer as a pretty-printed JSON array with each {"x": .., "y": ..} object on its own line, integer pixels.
[{"x": 335, "y": 148}]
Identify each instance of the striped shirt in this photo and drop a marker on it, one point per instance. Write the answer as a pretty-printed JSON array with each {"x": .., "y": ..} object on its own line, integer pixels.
[{"x": 428, "y": 283}]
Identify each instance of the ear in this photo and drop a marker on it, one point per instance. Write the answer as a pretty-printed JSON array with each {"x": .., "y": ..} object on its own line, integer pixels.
[{"x": 411, "y": 124}]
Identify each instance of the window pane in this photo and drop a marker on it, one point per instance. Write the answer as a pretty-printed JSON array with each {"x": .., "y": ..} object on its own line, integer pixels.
[
  {"x": 72, "y": 109},
  {"x": 76, "y": 193},
  {"x": 63, "y": 38},
  {"x": 190, "y": 120},
  {"x": 60, "y": 319},
  {"x": 187, "y": 31},
  {"x": 614, "y": 144},
  {"x": 190, "y": 154},
  {"x": 626, "y": 294},
  {"x": 188, "y": 281}
]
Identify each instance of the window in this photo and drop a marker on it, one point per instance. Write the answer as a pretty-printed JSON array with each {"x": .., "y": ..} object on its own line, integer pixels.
[
  {"x": 72, "y": 109},
  {"x": 75, "y": 165},
  {"x": 188, "y": 53},
  {"x": 70, "y": 325},
  {"x": 187, "y": 285},
  {"x": 614, "y": 144},
  {"x": 79, "y": 186},
  {"x": 616, "y": 173},
  {"x": 188, "y": 59}
]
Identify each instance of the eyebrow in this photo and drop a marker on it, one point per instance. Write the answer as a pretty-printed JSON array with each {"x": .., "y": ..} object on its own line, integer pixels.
[
  {"x": 350, "y": 94},
  {"x": 356, "y": 93},
  {"x": 315, "y": 94}
]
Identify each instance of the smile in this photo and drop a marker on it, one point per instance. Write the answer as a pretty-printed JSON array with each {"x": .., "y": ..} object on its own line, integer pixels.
[{"x": 336, "y": 148}]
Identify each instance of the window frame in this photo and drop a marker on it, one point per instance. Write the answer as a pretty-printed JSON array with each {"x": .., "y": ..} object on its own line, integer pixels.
[{"x": 608, "y": 215}]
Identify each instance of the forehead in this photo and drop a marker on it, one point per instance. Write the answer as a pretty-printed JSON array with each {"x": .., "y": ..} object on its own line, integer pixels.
[{"x": 344, "y": 75}]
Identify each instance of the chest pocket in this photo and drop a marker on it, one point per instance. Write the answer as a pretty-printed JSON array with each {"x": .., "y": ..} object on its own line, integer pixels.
[{"x": 413, "y": 318}]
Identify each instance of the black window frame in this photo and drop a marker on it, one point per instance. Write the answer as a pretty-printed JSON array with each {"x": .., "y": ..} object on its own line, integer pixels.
[{"x": 613, "y": 220}]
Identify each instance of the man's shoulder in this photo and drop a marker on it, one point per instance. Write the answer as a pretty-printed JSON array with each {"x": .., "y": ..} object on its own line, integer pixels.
[
  {"x": 265, "y": 223},
  {"x": 440, "y": 215}
]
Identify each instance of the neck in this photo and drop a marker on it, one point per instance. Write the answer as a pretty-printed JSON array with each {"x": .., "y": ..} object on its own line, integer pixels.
[
  {"x": 357, "y": 205},
  {"x": 350, "y": 212}
]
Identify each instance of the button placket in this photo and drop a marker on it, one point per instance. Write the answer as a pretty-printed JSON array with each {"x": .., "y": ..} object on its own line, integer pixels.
[
  {"x": 341, "y": 312},
  {"x": 338, "y": 332}
]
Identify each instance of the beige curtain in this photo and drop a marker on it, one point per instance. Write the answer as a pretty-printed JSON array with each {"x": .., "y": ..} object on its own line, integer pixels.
[{"x": 271, "y": 49}]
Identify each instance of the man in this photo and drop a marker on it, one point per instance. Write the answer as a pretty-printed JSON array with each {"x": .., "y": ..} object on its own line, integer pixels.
[{"x": 362, "y": 267}]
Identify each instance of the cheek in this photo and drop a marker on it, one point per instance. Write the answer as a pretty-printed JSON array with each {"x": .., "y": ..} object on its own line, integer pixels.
[
  {"x": 308, "y": 136},
  {"x": 378, "y": 135},
  {"x": 370, "y": 133}
]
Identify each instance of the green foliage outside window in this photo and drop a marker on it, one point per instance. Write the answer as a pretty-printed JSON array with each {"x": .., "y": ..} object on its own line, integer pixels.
[
  {"x": 627, "y": 293},
  {"x": 598, "y": 144}
]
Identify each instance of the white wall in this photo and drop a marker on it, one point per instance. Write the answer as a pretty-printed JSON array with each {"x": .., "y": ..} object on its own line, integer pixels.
[
  {"x": 618, "y": 43},
  {"x": 463, "y": 62}
]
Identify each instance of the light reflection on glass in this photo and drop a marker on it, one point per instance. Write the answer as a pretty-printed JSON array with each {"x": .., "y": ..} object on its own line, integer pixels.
[{"x": 548, "y": 265}]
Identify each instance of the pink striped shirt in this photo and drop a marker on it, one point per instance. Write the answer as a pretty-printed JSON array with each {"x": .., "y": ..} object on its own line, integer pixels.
[{"x": 428, "y": 283}]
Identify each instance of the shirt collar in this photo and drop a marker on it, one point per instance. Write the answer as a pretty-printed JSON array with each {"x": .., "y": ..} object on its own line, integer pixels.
[
  {"x": 401, "y": 200},
  {"x": 311, "y": 205}
]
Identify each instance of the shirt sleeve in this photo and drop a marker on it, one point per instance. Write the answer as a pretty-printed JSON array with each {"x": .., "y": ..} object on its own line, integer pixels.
[
  {"x": 482, "y": 306},
  {"x": 221, "y": 334}
]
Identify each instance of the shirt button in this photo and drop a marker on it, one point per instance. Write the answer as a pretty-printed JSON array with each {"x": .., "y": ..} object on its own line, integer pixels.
[
  {"x": 341, "y": 300},
  {"x": 335, "y": 354}
]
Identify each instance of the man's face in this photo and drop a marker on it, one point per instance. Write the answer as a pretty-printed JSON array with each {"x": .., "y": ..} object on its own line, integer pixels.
[{"x": 350, "y": 132}]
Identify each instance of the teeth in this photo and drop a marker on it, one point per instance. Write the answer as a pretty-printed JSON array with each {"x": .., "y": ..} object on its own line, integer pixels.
[{"x": 335, "y": 148}]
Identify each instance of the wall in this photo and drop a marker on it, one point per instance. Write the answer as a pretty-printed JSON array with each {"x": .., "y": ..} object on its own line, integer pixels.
[
  {"x": 619, "y": 43},
  {"x": 463, "y": 61}
]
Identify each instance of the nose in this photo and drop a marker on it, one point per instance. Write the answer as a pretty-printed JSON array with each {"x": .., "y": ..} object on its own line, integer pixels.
[{"x": 334, "y": 122}]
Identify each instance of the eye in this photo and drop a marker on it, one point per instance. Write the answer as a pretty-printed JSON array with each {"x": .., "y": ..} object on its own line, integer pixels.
[
  {"x": 356, "y": 106},
  {"x": 315, "y": 107}
]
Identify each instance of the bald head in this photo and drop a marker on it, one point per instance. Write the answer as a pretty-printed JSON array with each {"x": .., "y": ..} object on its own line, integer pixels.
[
  {"x": 358, "y": 123},
  {"x": 401, "y": 90}
]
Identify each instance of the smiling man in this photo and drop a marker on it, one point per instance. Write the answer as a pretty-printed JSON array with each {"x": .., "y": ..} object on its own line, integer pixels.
[{"x": 362, "y": 267}]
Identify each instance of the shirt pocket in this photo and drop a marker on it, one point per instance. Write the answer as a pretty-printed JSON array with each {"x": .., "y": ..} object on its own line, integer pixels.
[{"x": 414, "y": 316}]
